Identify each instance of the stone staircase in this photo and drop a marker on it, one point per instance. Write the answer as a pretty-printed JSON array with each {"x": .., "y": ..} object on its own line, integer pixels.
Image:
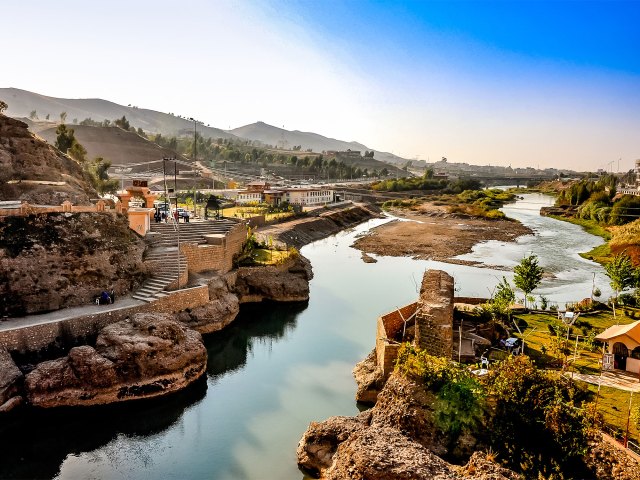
[
  {"x": 164, "y": 260},
  {"x": 189, "y": 232},
  {"x": 166, "y": 267}
]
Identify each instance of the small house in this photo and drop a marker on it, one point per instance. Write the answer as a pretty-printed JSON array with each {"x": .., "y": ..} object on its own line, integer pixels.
[{"x": 623, "y": 341}]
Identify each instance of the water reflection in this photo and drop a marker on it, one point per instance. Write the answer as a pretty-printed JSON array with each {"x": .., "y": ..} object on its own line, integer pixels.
[
  {"x": 33, "y": 443},
  {"x": 262, "y": 323}
]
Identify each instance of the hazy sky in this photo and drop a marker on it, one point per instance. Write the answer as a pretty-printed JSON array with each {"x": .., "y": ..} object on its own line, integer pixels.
[{"x": 509, "y": 83}]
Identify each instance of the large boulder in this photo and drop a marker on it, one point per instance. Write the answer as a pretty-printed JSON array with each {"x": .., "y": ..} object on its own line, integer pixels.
[
  {"x": 282, "y": 283},
  {"x": 10, "y": 382},
  {"x": 150, "y": 355},
  {"x": 344, "y": 448},
  {"x": 398, "y": 438},
  {"x": 222, "y": 309}
]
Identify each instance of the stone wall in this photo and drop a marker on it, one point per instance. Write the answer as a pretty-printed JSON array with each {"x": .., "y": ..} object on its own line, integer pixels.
[
  {"x": 389, "y": 328},
  {"x": 434, "y": 318},
  {"x": 205, "y": 258},
  {"x": 36, "y": 338}
]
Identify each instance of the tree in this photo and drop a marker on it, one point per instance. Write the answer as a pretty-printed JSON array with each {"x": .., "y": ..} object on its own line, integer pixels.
[
  {"x": 33, "y": 115},
  {"x": 63, "y": 117},
  {"x": 620, "y": 272},
  {"x": 47, "y": 117},
  {"x": 65, "y": 138},
  {"x": 66, "y": 142},
  {"x": 123, "y": 123},
  {"x": 527, "y": 275},
  {"x": 3, "y": 106},
  {"x": 97, "y": 171}
]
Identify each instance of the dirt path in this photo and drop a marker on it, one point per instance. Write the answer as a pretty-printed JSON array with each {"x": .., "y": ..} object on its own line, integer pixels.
[{"x": 433, "y": 234}]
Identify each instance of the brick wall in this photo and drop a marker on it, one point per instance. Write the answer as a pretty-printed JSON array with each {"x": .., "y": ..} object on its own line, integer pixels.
[
  {"x": 36, "y": 338},
  {"x": 203, "y": 258},
  {"x": 390, "y": 326},
  {"x": 434, "y": 319}
]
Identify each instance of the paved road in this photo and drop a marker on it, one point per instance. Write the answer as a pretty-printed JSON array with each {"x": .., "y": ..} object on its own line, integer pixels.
[{"x": 66, "y": 313}]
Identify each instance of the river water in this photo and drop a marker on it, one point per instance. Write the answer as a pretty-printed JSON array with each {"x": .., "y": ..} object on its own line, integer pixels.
[{"x": 278, "y": 367}]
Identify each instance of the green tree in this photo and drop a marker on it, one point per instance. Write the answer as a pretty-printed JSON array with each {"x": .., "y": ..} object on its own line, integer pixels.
[
  {"x": 527, "y": 275},
  {"x": 65, "y": 138},
  {"x": 99, "y": 177},
  {"x": 66, "y": 142},
  {"x": 63, "y": 117},
  {"x": 123, "y": 123},
  {"x": 3, "y": 106},
  {"x": 33, "y": 115},
  {"x": 621, "y": 272},
  {"x": 47, "y": 117}
]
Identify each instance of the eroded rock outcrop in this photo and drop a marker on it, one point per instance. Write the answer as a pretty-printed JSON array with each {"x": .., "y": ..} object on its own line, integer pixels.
[
  {"x": 282, "y": 283},
  {"x": 28, "y": 166},
  {"x": 10, "y": 382},
  {"x": 53, "y": 261},
  {"x": 221, "y": 310},
  {"x": 369, "y": 378},
  {"x": 342, "y": 448},
  {"x": 150, "y": 355}
]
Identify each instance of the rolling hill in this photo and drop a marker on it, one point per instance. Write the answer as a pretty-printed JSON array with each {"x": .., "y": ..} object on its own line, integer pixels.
[
  {"x": 275, "y": 136},
  {"x": 117, "y": 145},
  {"x": 22, "y": 103}
]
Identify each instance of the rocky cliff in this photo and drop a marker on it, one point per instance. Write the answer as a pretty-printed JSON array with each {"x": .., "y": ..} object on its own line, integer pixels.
[
  {"x": 147, "y": 356},
  {"x": 283, "y": 283},
  {"x": 53, "y": 261},
  {"x": 56, "y": 260},
  {"x": 364, "y": 448},
  {"x": 222, "y": 309},
  {"x": 33, "y": 171}
]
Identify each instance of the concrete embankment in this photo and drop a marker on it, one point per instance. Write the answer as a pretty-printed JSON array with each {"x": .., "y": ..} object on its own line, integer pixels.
[{"x": 319, "y": 224}]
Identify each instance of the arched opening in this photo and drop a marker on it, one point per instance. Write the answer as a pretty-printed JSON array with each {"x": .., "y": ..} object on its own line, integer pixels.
[
  {"x": 620, "y": 354},
  {"x": 635, "y": 353}
]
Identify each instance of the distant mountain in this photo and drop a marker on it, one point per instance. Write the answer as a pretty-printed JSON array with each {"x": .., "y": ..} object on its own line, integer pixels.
[
  {"x": 279, "y": 137},
  {"x": 22, "y": 103}
]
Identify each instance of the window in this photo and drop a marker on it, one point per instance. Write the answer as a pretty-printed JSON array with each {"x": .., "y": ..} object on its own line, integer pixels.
[{"x": 636, "y": 353}]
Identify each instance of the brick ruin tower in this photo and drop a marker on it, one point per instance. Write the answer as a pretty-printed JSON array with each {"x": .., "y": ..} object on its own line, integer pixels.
[{"x": 434, "y": 317}]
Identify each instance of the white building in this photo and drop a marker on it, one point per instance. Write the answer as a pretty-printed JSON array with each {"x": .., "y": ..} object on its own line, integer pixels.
[
  {"x": 309, "y": 196},
  {"x": 246, "y": 196}
]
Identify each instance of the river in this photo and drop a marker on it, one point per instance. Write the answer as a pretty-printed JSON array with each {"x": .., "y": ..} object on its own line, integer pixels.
[{"x": 278, "y": 367}]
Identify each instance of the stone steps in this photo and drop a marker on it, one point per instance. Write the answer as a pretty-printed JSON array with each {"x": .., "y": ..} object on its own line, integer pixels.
[{"x": 153, "y": 288}]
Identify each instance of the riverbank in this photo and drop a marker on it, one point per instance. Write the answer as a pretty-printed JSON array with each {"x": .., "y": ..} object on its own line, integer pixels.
[
  {"x": 318, "y": 224},
  {"x": 431, "y": 233}
]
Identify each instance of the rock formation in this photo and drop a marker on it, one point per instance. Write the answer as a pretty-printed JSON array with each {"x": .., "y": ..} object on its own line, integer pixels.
[
  {"x": 221, "y": 310},
  {"x": 53, "y": 261},
  {"x": 282, "y": 283},
  {"x": 150, "y": 355},
  {"x": 10, "y": 382},
  {"x": 390, "y": 442},
  {"x": 26, "y": 160}
]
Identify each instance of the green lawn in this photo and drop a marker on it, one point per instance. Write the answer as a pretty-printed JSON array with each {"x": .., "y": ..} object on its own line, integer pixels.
[{"x": 612, "y": 403}]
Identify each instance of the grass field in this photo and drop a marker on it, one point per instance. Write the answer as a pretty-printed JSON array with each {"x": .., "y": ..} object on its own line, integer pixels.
[{"x": 539, "y": 345}]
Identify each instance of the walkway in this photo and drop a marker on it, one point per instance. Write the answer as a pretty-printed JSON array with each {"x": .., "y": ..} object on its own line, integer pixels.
[
  {"x": 617, "y": 379},
  {"x": 67, "y": 313}
]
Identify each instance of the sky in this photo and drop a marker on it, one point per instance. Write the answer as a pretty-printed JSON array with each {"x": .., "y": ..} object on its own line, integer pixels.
[{"x": 520, "y": 83}]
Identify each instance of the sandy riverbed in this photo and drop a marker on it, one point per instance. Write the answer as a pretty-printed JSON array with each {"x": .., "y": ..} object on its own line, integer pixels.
[{"x": 433, "y": 234}]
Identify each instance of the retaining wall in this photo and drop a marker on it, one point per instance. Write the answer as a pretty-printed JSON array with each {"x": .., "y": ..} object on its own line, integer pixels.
[{"x": 36, "y": 338}]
